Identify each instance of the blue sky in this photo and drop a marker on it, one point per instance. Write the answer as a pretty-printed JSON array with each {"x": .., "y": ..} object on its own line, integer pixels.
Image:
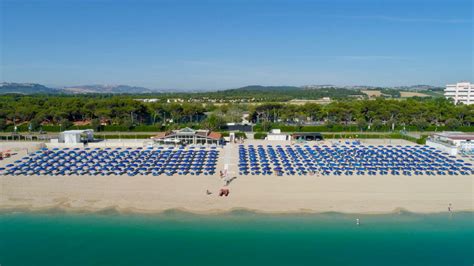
[{"x": 217, "y": 44}]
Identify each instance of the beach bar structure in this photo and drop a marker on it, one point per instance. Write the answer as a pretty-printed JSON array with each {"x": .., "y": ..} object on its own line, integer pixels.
[
  {"x": 188, "y": 136},
  {"x": 76, "y": 136},
  {"x": 452, "y": 142}
]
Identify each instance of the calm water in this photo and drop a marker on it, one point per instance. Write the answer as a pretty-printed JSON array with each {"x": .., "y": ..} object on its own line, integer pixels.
[{"x": 238, "y": 238}]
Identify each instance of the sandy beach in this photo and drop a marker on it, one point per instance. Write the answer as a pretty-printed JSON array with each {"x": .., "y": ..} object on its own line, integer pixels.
[
  {"x": 354, "y": 194},
  {"x": 270, "y": 194}
]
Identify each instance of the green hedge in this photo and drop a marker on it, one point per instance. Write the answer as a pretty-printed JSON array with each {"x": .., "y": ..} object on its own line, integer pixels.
[
  {"x": 354, "y": 128},
  {"x": 260, "y": 135},
  {"x": 465, "y": 128},
  {"x": 240, "y": 135},
  {"x": 125, "y": 136},
  {"x": 237, "y": 134}
]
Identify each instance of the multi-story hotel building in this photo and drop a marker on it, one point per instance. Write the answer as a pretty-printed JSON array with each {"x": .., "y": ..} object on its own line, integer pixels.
[{"x": 462, "y": 92}]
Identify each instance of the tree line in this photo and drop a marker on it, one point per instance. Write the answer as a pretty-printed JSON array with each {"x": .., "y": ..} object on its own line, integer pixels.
[{"x": 99, "y": 111}]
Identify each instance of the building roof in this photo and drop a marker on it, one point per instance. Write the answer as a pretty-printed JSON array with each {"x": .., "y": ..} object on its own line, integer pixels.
[
  {"x": 201, "y": 133},
  {"x": 455, "y": 135},
  {"x": 215, "y": 135},
  {"x": 188, "y": 132},
  {"x": 77, "y": 131}
]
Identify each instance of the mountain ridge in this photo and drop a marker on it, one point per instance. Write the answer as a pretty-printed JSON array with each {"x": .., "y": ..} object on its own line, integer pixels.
[
  {"x": 35, "y": 88},
  {"x": 100, "y": 88},
  {"x": 26, "y": 88}
]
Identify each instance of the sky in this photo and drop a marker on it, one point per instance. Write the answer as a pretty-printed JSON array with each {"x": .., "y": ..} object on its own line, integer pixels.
[{"x": 219, "y": 44}]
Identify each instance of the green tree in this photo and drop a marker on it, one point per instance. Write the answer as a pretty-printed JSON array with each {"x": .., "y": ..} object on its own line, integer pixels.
[
  {"x": 3, "y": 124},
  {"x": 362, "y": 124},
  {"x": 95, "y": 124},
  {"x": 213, "y": 122},
  {"x": 452, "y": 123},
  {"x": 421, "y": 124},
  {"x": 266, "y": 126},
  {"x": 66, "y": 124},
  {"x": 127, "y": 123},
  {"x": 376, "y": 124},
  {"x": 35, "y": 124}
]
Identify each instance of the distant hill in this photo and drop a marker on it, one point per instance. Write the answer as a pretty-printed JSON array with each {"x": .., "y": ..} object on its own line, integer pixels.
[
  {"x": 251, "y": 91},
  {"x": 33, "y": 88},
  {"x": 281, "y": 93},
  {"x": 329, "y": 86},
  {"x": 26, "y": 88},
  {"x": 366, "y": 87},
  {"x": 260, "y": 88},
  {"x": 106, "y": 89},
  {"x": 418, "y": 88}
]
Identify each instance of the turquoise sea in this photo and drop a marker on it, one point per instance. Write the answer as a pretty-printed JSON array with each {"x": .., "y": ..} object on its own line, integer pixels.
[{"x": 236, "y": 238}]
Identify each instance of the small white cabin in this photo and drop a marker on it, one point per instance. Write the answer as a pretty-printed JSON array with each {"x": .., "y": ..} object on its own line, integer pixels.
[
  {"x": 275, "y": 134},
  {"x": 76, "y": 136}
]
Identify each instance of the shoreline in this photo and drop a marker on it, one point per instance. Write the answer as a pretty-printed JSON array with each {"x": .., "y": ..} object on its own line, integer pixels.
[
  {"x": 132, "y": 211},
  {"x": 261, "y": 194}
]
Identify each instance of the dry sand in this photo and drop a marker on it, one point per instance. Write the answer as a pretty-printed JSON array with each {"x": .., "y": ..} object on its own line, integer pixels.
[
  {"x": 354, "y": 194},
  {"x": 348, "y": 194}
]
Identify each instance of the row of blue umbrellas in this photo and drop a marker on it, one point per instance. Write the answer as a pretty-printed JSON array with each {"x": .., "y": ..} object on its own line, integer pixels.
[
  {"x": 130, "y": 161},
  {"x": 349, "y": 160}
]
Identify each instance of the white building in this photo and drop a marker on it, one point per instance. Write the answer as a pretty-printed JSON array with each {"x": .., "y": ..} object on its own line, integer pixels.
[
  {"x": 76, "y": 136},
  {"x": 152, "y": 100},
  {"x": 452, "y": 142},
  {"x": 275, "y": 134},
  {"x": 462, "y": 92},
  {"x": 245, "y": 118}
]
